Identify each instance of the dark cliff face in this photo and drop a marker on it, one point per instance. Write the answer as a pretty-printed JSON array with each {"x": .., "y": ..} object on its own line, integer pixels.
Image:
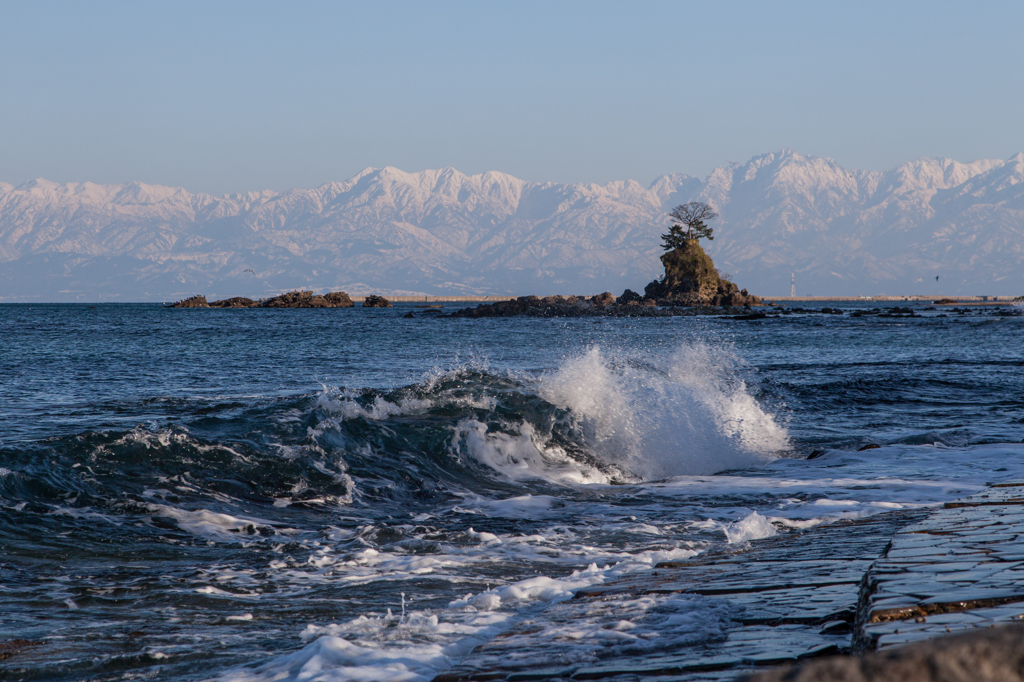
[{"x": 691, "y": 279}]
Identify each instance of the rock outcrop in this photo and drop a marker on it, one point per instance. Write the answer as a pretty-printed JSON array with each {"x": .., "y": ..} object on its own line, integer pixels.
[
  {"x": 293, "y": 299},
  {"x": 306, "y": 299},
  {"x": 236, "y": 302},
  {"x": 197, "y": 301},
  {"x": 376, "y": 302},
  {"x": 691, "y": 280},
  {"x": 583, "y": 306},
  {"x": 339, "y": 299}
]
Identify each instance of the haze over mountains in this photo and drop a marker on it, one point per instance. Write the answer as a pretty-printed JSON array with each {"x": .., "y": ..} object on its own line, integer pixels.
[{"x": 843, "y": 232}]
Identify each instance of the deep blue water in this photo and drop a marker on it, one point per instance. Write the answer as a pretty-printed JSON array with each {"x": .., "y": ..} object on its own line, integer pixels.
[{"x": 190, "y": 494}]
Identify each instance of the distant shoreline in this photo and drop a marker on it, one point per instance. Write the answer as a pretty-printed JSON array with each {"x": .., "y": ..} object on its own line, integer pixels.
[{"x": 931, "y": 300}]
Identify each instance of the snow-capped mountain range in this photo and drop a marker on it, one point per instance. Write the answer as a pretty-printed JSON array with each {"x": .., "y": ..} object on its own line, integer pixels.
[{"x": 842, "y": 232}]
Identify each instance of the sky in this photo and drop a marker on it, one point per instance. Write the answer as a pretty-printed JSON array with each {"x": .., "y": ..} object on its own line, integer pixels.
[{"x": 224, "y": 97}]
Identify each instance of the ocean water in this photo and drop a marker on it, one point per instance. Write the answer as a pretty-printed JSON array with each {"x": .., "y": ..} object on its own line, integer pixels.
[{"x": 347, "y": 494}]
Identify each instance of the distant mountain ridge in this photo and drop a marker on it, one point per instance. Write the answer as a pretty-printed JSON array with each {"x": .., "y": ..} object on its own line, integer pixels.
[{"x": 441, "y": 232}]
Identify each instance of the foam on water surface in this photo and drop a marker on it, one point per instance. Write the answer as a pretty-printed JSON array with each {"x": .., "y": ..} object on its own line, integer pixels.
[{"x": 380, "y": 528}]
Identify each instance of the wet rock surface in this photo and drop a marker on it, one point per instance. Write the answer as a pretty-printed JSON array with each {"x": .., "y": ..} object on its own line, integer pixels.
[
  {"x": 784, "y": 599},
  {"x": 962, "y": 568},
  {"x": 960, "y": 571},
  {"x": 925, "y": 596}
]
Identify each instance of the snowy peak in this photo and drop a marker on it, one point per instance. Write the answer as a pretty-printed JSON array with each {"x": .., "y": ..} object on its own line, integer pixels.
[{"x": 442, "y": 231}]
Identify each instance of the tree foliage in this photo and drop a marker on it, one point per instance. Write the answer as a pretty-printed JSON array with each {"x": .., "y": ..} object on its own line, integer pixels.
[{"x": 689, "y": 221}]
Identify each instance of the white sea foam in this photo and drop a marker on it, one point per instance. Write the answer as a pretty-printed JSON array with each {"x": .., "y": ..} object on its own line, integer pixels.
[
  {"x": 520, "y": 456},
  {"x": 685, "y": 413},
  {"x": 215, "y": 525},
  {"x": 414, "y": 648},
  {"x": 750, "y": 527}
]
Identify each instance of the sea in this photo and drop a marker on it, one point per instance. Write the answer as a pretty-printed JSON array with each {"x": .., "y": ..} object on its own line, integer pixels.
[{"x": 350, "y": 494}]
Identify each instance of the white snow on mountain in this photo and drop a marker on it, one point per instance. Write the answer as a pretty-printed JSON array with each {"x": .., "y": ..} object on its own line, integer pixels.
[{"x": 842, "y": 232}]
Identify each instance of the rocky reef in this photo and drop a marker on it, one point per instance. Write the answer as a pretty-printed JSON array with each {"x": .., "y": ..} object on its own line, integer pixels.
[
  {"x": 603, "y": 305},
  {"x": 691, "y": 286},
  {"x": 293, "y": 299}
]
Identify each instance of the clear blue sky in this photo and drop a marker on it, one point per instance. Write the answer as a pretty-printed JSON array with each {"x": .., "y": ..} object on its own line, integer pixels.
[{"x": 232, "y": 96}]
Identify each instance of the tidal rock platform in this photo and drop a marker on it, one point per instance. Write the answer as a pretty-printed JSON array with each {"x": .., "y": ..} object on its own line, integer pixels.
[
  {"x": 959, "y": 571},
  {"x": 835, "y": 602}
]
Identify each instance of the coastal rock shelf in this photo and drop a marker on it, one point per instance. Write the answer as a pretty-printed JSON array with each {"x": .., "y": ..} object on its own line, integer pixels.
[
  {"x": 783, "y": 599},
  {"x": 962, "y": 568},
  {"x": 847, "y": 587}
]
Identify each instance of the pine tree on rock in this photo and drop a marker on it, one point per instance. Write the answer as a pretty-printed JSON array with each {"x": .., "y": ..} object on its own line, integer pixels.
[{"x": 689, "y": 222}]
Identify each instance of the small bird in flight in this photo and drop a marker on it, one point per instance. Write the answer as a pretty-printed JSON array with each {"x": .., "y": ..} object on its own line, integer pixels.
[{"x": 248, "y": 270}]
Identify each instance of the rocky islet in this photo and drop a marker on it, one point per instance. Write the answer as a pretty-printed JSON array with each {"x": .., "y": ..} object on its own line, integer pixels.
[{"x": 292, "y": 299}]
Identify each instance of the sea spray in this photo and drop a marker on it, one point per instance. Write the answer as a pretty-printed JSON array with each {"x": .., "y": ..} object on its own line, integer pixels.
[{"x": 684, "y": 413}]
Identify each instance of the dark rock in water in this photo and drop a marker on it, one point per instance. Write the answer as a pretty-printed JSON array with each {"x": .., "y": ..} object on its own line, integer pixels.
[
  {"x": 987, "y": 655},
  {"x": 607, "y": 298},
  {"x": 408, "y": 316},
  {"x": 869, "y": 446},
  {"x": 293, "y": 299},
  {"x": 339, "y": 299},
  {"x": 692, "y": 280},
  {"x": 306, "y": 299},
  {"x": 946, "y": 301},
  {"x": 629, "y": 296},
  {"x": 816, "y": 454},
  {"x": 376, "y": 302},
  {"x": 296, "y": 299},
  {"x": 236, "y": 302},
  {"x": 197, "y": 301}
]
